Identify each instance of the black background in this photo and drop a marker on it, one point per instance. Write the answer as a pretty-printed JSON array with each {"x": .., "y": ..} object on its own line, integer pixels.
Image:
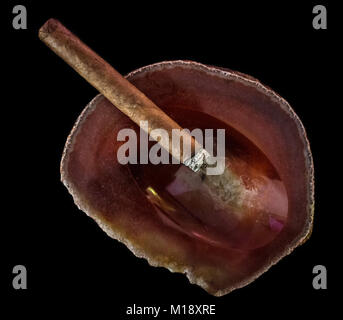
[{"x": 73, "y": 267}]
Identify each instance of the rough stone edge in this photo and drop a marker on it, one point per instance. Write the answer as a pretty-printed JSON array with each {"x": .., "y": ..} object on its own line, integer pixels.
[
  {"x": 84, "y": 206},
  {"x": 225, "y": 74}
]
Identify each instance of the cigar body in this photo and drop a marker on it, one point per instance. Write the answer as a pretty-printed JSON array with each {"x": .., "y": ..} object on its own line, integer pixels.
[{"x": 119, "y": 91}]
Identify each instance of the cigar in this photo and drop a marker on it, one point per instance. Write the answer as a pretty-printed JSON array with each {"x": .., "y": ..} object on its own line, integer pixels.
[{"x": 121, "y": 93}]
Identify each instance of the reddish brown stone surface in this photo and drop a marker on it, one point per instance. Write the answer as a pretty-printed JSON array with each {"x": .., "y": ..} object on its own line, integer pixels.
[{"x": 115, "y": 196}]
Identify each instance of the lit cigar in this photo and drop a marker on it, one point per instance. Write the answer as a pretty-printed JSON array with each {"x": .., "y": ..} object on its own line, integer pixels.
[{"x": 122, "y": 94}]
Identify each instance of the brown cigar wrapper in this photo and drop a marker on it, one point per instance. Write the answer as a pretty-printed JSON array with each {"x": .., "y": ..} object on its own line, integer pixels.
[{"x": 122, "y": 94}]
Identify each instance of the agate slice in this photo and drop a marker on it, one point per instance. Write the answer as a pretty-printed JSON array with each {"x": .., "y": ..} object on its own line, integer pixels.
[{"x": 164, "y": 213}]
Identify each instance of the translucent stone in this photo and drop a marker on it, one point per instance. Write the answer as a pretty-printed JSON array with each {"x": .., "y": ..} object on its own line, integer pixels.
[{"x": 244, "y": 208}]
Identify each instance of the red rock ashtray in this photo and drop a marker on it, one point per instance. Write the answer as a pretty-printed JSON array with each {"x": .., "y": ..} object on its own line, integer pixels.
[{"x": 163, "y": 212}]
